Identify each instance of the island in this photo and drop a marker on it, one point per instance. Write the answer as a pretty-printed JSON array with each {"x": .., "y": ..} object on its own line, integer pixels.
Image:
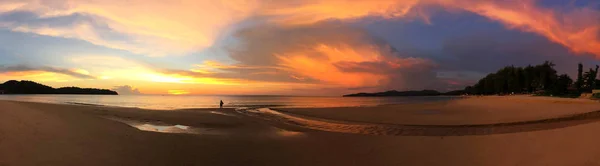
[{"x": 30, "y": 87}]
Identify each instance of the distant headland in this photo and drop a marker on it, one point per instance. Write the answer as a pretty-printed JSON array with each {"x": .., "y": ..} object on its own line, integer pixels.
[
  {"x": 539, "y": 80},
  {"x": 397, "y": 93},
  {"x": 30, "y": 87}
]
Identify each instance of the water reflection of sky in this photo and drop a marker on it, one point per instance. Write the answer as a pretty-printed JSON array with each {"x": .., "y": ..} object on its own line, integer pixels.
[
  {"x": 162, "y": 127},
  {"x": 182, "y": 102}
]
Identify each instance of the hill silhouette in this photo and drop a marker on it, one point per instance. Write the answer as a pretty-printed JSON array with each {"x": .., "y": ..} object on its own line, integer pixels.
[
  {"x": 397, "y": 93},
  {"x": 30, "y": 87}
]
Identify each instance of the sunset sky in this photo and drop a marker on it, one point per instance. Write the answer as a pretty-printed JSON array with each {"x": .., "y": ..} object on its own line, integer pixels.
[{"x": 291, "y": 47}]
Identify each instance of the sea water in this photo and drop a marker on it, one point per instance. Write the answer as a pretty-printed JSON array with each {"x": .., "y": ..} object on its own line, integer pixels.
[{"x": 170, "y": 102}]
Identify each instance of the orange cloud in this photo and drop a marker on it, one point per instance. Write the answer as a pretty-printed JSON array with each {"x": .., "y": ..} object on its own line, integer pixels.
[
  {"x": 114, "y": 67},
  {"x": 44, "y": 73},
  {"x": 310, "y": 11},
  {"x": 327, "y": 54},
  {"x": 577, "y": 29},
  {"x": 323, "y": 68},
  {"x": 37, "y": 76}
]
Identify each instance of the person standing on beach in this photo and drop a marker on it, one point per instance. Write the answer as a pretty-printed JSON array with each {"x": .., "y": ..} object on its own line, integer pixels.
[{"x": 221, "y": 104}]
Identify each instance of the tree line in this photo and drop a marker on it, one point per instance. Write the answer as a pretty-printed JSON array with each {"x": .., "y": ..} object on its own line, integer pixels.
[{"x": 539, "y": 79}]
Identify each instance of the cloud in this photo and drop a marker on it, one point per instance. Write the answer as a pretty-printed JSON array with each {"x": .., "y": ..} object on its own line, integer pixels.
[
  {"x": 126, "y": 90},
  {"x": 329, "y": 53},
  {"x": 76, "y": 73},
  {"x": 118, "y": 68},
  {"x": 154, "y": 28},
  {"x": 485, "y": 53},
  {"x": 465, "y": 59},
  {"x": 235, "y": 73},
  {"x": 311, "y": 11},
  {"x": 574, "y": 27},
  {"x": 159, "y": 28}
]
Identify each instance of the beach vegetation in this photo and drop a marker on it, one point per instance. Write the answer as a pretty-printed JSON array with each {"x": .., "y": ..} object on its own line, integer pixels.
[
  {"x": 579, "y": 81},
  {"x": 540, "y": 79}
]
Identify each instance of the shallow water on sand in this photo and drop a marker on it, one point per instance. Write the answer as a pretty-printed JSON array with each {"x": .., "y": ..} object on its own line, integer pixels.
[
  {"x": 183, "y": 102},
  {"x": 420, "y": 130},
  {"x": 163, "y": 127}
]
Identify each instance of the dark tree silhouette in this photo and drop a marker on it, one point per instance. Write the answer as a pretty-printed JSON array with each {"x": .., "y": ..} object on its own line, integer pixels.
[
  {"x": 562, "y": 85},
  {"x": 531, "y": 79},
  {"x": 593, "y": 80},
  {"x": 579, "y": 81},
  {"x": 589, "y": 80}
]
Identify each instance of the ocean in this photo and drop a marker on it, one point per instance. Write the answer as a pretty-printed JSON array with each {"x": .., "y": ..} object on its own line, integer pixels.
[{"x": 170, "y": 102}]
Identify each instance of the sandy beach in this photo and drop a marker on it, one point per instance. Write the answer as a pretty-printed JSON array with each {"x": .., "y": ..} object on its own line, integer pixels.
[
  {"x": 53, "y": 134},
  {"x": 470, "y": 110}
]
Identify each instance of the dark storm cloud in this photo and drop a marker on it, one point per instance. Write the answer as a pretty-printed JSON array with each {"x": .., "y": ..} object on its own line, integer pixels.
[
  {"x": 487, "y": 53},
  {"x": 259, "y": 45},
  {"x": 464, "y": 60},
  {"x": 467, "y": 46}
]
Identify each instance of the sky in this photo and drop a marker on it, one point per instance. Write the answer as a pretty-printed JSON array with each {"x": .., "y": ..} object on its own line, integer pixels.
[{"x": 291, "y": 47}]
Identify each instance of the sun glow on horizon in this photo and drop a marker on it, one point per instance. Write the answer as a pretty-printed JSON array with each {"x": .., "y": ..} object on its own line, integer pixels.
[{"x": 178, "y": 92}]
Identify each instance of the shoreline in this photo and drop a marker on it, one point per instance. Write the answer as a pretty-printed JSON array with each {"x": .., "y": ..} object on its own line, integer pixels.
[
  {"x": 465, "y": 111},
  {"x": 423, "y": 107},
  {"x": 387, "y": 129},
  {"x": 238, "y": 103},
  {"x": 61, "y": 134}
]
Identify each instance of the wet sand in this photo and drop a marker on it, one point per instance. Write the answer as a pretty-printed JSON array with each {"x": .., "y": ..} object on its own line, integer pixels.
[
  {"x": 50, "y": 134},
  {"x": 386, "y": 129},
  {"x": 467, "y": 111}
]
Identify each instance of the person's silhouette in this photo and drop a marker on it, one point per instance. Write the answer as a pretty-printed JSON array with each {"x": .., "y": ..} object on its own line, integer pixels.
[{"x": 221, "y": 104}]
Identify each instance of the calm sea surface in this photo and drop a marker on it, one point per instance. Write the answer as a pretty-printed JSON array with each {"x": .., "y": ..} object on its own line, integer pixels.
[{"x": 181, "y": 102}]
